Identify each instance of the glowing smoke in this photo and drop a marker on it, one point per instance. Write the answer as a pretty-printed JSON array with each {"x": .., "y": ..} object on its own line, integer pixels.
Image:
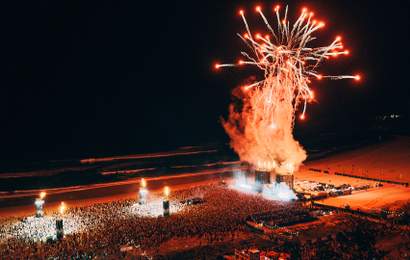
[
  {"x": 278, "y": 191},
  {"x": 275, "y": 191},
  {"x": 267, "y": 143},
  {"x": 261, "y": 119}
]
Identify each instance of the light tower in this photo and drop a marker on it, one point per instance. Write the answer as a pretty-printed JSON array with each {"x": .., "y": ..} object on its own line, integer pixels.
[
  {"x": 262, "y": 173},
  {"x": 59, "y": 222},
  {"x": 39, "y": 203},
  {"x": 165, "y": 202},
  {"x": 143, "y": 192},
  {"x": 286, "y": 178}
]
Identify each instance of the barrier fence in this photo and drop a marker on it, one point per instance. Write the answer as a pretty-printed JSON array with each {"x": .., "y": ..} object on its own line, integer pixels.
[{"x": 406, "y": 184}]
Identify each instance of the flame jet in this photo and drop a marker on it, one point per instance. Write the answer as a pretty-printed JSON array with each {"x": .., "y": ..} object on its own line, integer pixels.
[{"x": 261, "y": 124}]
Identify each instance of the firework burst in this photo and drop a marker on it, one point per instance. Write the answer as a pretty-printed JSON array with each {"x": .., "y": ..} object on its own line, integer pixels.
[{"x": 261, "y": 128}]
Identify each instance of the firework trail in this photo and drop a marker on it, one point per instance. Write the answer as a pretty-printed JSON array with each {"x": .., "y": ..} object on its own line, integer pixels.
[{"x": 261, "y": 126}]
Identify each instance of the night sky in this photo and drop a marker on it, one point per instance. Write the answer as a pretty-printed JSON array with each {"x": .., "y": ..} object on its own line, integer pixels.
[{"x": 83, "y": 78}]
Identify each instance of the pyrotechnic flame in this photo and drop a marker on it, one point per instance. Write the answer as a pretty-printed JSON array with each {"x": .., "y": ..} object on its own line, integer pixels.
[
  {"x": 166, "y": 191},
  {"x": 288, "y": 64},
  {"x": 143, "y": 183},
  {"x": 62, "y": 208},
  {"x": 42, "y": 195}
]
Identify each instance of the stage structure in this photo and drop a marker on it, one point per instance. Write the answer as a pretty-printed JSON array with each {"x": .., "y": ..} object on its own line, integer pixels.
[
  {"x": 265, "y": 176},
  {"x": 262, "y": 177},
  {"x": 288, "y": 179}
]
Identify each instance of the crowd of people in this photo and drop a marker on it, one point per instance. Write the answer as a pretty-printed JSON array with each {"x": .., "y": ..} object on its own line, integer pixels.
[
  {"x": 104, "y": 228},
  {"x": 40, "y": 229}
]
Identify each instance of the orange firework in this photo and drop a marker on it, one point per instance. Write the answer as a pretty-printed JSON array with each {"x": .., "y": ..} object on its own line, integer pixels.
[{"x": 288, "y": 63}]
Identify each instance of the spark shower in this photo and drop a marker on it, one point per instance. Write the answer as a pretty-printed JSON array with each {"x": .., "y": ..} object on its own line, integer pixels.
[{"x": 261, "y": 124}]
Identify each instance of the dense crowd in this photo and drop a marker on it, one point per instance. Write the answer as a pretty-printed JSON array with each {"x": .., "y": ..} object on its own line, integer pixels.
[
  {"x": 41, "y": 229},
  {"x": 104, "y": 228},
  {"x": 101, "y": 230}
]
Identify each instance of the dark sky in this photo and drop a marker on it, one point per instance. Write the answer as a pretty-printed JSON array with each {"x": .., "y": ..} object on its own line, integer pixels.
[{"x": 111, "y": 77}]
